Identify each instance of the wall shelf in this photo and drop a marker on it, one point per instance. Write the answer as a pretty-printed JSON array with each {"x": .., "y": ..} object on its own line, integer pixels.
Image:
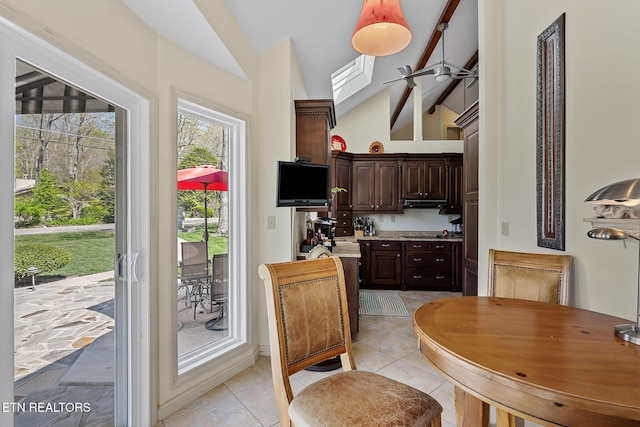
[{"x": 628, "y": 225}]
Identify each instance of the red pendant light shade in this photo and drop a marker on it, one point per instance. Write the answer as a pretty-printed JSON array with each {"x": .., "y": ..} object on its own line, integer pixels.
[{"x": 382, "y": 29}]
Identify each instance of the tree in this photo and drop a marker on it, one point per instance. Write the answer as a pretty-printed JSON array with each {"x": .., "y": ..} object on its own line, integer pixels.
[
  {"x": 48, "y": 197},
  {"x": 106, "y": 193},
  {"x": 190, "y": 199}
]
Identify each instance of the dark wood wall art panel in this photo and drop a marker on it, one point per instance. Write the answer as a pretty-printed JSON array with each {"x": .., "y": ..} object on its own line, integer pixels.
[{"x": 550, "y": 129}]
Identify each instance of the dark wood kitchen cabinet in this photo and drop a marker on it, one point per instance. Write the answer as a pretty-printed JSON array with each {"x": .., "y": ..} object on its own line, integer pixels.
[
  {"x": 453, "y": 166},
  {"x": 341, "y": 206},
  {"x": 410, "y": 265},
  {"x": 314, "y": 120},
  {"x": 376, "y": 186},
  {"x": 424, "y": 179},
  {"x": 430, "y": 266},
  {"x": 386, "y": 264}
]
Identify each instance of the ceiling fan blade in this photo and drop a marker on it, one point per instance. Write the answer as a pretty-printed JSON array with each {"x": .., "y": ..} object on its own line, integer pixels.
[
  {"x": 410, "y": 82},
  {"x": 423, "y": 72},
  {"x": 393, "y": 80},
  {"x": 405, "y": 71}
]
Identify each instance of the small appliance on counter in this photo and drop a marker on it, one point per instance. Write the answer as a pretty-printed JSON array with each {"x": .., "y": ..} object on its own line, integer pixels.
[
  {"x": 456, "y": 227},
  {"x": 319, "y": 232}
]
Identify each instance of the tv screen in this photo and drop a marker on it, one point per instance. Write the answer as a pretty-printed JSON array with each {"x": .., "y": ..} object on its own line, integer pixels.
[{"x": 302, "y": 185}]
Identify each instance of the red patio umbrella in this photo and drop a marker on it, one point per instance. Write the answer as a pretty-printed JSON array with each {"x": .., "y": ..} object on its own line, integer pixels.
[{"x": 205, "y": 178}]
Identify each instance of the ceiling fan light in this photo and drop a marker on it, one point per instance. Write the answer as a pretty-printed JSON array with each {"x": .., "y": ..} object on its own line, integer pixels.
[
  {"x": 442, "y": 77},
  {"x": 382, "y": 29}
]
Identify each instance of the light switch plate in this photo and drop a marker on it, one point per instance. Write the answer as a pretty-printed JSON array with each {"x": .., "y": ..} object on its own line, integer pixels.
[{"x": 271, "y": 223}]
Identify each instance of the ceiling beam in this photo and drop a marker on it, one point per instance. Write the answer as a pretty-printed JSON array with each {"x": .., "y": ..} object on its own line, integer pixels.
[
  {"x": 447, "y": 13},
  {"x": 454, "y": 83}
]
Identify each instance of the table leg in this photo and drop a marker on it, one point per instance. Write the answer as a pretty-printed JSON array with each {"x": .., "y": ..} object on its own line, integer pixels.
[
  {"x": 470, "y": 411},
  {"x": 505, "y": 419}
]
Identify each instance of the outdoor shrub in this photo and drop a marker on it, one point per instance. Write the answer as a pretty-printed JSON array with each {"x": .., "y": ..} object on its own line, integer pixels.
[
  {"x": 43, "y": 257},
  {"x": 198, "y": 212}
]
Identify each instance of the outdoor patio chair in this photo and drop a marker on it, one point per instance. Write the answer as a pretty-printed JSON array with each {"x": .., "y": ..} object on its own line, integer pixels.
[
  {"x": 194, "y": 274},
  {"x": 219, "y": 290}
]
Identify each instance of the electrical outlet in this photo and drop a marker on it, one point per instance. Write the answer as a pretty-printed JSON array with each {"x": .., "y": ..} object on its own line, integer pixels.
[
  {"x": 505, "y": 229},
  {"x": 271, "y": 223}
]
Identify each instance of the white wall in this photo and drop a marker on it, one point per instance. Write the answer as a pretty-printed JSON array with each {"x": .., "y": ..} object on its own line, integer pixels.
[
  {"x": 601, "y": 109},
  {"x": 110, "y": 38}
]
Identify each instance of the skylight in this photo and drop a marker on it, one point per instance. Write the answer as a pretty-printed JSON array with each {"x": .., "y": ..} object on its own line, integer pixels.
[{"x": 354, "y": 76}]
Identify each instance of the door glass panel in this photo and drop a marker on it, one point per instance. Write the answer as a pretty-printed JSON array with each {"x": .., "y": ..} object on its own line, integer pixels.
[
  {"x": 205, "y": 310},
  {"x": 67, "y": 309}
]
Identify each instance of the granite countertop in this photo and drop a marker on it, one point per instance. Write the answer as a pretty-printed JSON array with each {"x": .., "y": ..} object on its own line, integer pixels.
[
  {"x": 349, "y": 246},
  {"x": 409, "y": 236}
]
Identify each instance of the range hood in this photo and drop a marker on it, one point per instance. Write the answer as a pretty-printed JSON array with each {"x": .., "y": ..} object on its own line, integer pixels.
[{"x": 423, "y": 204}]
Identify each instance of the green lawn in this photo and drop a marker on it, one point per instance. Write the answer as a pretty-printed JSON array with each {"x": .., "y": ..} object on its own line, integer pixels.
[
  {"x": 94, "y": 251},
  {"x": 91, "y": 252},
  {"x": 217, "y": 245}
]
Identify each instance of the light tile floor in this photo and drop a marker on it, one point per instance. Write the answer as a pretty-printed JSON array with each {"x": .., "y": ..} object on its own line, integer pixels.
[{"x": 384, "y": 344}]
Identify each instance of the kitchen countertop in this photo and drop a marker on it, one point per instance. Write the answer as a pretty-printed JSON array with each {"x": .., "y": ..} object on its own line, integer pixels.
[
  {"x": 408, "y": 236},
  {"x": 348, "y": 247}
]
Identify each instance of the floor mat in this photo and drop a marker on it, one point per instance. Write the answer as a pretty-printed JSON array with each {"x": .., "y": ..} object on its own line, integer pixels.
[{"x": 382, "y": 304}]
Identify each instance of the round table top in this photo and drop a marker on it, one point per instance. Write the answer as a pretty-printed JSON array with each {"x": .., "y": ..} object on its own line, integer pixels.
[{"x": 554, "y": 350}]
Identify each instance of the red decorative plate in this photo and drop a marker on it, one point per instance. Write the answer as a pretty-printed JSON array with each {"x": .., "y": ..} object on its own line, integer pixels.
[{"x": 338, "y": 143}]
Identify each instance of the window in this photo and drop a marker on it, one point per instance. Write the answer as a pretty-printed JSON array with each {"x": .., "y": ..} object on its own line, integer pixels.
[{"x": 211, "y": 302}]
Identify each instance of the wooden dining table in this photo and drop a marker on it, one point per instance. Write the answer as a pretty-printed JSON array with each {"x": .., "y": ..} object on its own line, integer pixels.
[{"x": 548, "y": 363}]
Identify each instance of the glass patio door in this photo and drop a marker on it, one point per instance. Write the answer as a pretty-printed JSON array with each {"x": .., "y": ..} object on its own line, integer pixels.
[{"x": 108, "y": 365}]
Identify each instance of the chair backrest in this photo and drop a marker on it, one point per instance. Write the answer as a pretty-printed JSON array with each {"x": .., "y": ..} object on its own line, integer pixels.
[
  {"x": 538, "y": 277},
  {"x": 194, "y": 263},
  {"x": 220, "y": 274},
  {"x": 308, "y": 318}
]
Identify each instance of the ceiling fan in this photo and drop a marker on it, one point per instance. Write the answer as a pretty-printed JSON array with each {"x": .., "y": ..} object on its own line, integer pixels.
[{"x": 442, "y": 70}]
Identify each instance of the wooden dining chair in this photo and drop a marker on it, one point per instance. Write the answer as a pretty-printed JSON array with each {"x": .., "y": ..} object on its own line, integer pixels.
[
  {"x": 538, "y": 277},
  {"x": 530, "y": 276},
  {"x": 309, "y": 323}
]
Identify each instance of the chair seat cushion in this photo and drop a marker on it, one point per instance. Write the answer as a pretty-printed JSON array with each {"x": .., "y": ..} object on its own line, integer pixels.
[{"x": 361, "y": 398}]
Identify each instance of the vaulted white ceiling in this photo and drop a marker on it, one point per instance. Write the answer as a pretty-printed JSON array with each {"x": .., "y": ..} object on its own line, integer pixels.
[{"x": 320, "y": 32}]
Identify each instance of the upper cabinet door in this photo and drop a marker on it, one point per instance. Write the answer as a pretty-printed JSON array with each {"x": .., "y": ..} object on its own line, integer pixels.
[
  {"x": 386, "y": 196},
  {"x": 434, "y": 180},
  {"x": 314, "y": 120},
  {"x": 363, "y": 186},
  {"x": 412, "y": 177}
]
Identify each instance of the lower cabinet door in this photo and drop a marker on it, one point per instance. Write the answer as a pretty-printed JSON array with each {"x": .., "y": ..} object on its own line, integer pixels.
[{"x": 386, "y": 269}]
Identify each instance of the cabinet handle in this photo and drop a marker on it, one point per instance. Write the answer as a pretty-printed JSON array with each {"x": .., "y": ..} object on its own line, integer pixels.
[
  {"x": 372, "y": 206},
  {"x": 417, "y": 259},
  {"x": 439, "y": 259},
  {"x": 386, "y": 245},
  {"x": 417, "y": 246},
  {"x": 377, "y": 206},
  {"x": 397, "y": 255},
  {"x": 439, "y": 277},
  {"x": 417, "y": 277},
  {"x": 439, "y": 246},
  {"x": 344, "y": 214}
]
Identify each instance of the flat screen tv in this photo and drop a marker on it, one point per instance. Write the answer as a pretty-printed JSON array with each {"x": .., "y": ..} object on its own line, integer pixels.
[{"x": 302, "y": 185}]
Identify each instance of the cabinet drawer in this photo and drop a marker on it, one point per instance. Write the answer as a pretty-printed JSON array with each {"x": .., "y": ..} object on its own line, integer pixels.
[
  {"x": 419, "y": 277},
  {"x": 344, "y": 223},
  {"x": 440, "y": 246},
  {"x": 344, "y": 215},
  {"x": 428, "y": 260},
  {"x": 386, "y": 245},
  {"x": 417, "y": 246},
  {"x": 344, "y": 231}
]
